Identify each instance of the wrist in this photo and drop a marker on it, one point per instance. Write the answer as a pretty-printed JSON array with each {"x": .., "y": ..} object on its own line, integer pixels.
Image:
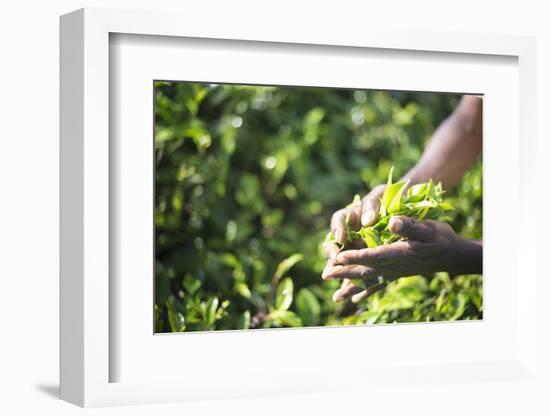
[{"x": 468, "y": 257}]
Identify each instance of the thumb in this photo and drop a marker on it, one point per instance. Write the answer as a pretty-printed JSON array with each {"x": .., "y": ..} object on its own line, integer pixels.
[
  {"x": 370, "y": 206},
  {"x": 410, "y": 228},
  {"x": 368, "y": 214}
]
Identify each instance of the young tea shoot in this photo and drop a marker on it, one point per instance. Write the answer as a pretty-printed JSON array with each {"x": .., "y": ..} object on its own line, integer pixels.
[{"x": 420, "y": 201}]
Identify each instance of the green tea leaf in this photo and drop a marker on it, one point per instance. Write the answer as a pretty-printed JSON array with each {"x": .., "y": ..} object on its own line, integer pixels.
[
  {"x": 244, "y": 320},
  {"x": 347, "y": 228},
  {"x": 356, "y": 202},
  {"x": 371, "y": 237},
  {"x": 425, "y": 204},
  {"x": 284, "y": 295},
  {"x": 243, "y": 290},
  {"x": 330, "y": 239},
  {"x": 390, "y": 178},
  {"x": 423, "y": 213},
  {"x": 388, "y": 237},
  {"x": 308, "y": 307},
  {"x": 390, "y": 192},
  {"x": 175, "y": 318},
  {"x": 191, "y": 284},
  {"x": 417, "y": 192},
  {"x": 287, "y": 318},
  {"x": 395, "y": 204},
  {"x": 211, "y": 311},
  {"x": 286, "y": 265}
]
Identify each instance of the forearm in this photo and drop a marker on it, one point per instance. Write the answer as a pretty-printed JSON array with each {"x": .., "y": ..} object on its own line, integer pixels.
[{"x": 454, "y": 146}]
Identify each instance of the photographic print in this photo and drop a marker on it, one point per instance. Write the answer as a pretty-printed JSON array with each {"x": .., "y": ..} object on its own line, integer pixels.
[{"x": 291, "y": 206}]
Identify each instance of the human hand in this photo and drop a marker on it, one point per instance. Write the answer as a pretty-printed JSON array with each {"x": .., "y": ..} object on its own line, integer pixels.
[
  {"x": 357, "y": 216},
  {"x": 364, "y": 215},
  {"x": 431, "y": 246}
]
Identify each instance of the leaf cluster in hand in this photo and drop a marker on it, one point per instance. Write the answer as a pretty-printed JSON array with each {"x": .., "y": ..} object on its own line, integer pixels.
[{"x": 420, "y": 201}]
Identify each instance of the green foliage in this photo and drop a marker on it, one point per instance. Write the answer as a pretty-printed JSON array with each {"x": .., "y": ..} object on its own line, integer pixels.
[
  {"x": 247, "y": 179},
  {"x": 308, "y": 307}
]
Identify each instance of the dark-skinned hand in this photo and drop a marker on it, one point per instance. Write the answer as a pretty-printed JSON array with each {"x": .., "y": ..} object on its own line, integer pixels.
[{"x": 430, "y": 246}]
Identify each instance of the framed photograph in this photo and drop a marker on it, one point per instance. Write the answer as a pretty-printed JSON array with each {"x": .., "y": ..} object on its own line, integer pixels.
[{"x": 240, "y": 211}]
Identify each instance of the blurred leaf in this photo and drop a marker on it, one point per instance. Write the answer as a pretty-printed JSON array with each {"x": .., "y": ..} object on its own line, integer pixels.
[
  {"x": 308, "y": 307},
  {"x": 286, "y": 318},
  {"x": 289, "y": 318},
  {"x": 176, "y": 319},
  {"x": 244, "y": 320},
  {"x": 243, "y": 290},
  {"x": 284, "y": 295},
  {"x": 212, "y": 308},
  {"x": 285, "y": 265},
  {"x": 191, "y": 284}
]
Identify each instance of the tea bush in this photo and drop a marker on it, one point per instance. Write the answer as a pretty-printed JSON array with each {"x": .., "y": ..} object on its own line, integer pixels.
[{"x": 247, "y": 179}]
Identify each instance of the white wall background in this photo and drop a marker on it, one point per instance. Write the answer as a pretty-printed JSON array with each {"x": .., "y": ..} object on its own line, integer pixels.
[{"x": 29, "y": 187}]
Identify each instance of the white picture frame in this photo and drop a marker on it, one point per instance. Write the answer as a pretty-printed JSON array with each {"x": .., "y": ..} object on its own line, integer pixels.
[{"x": 87, "y": 302}]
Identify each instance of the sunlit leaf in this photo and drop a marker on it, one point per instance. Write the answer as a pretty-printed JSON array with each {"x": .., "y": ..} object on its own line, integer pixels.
[
  {"x": 175, "y": 318},
  {"x": 397, "y": 190},
  {"x": 284, "y": 294},
  {"x": 286, "y": 318},
  {"x": 243, "y": 289},
  {"x": 285, "y": 265},
  {"x": 211, "y": 311},
  {"x": 371, "y": 237},
  {"x": 244, "y": 320}
]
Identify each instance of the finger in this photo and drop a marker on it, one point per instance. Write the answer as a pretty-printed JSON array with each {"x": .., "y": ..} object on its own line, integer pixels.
[
  {"x": 353, "y": 271},
  {"x": 411, "y": 228},
  {"x": 337, "y": 225},
  {"x": 347, "y": 290},
  {"x": 364, "y": 294},
  {"x": 331, "y": 250},
  {"x": 370, "y": 206},
  {"x": 373, "y": 257},
  {"x": 328, "y": 266},
  {"x": 345, "y": 283},
  {"x": 338, "y": 221}
]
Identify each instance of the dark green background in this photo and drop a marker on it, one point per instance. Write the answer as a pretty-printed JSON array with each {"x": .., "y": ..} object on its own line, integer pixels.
[{"x": 247, "y": 176}]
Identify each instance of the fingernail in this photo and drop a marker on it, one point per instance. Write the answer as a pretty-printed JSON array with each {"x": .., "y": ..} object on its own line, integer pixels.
[
  {"x": 396, "y": 225},
  {"x": 336, "y": 297},
  {"x": 367, "y": 217},
  {"x": 338, "y": 235}
]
